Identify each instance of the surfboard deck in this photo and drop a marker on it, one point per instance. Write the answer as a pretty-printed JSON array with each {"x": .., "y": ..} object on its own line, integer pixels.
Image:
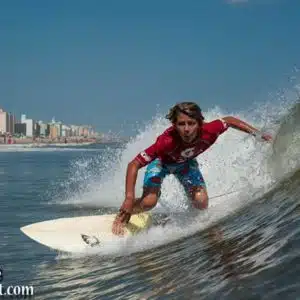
[{"x": 77, "y": 234}]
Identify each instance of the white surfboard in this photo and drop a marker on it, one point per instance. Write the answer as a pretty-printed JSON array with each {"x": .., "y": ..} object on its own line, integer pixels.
[{"x": 78, "y": 234}]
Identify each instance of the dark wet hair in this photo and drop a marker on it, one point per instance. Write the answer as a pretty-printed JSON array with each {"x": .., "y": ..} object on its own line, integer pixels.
[{"x": 190, "y": 109}]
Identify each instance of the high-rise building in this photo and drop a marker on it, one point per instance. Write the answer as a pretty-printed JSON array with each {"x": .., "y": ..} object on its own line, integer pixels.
[
  {"x": 29, "y": 127},
  {"x": 66, "y": 131},
  {"x": 23, "y": 118},
  {"x": 20, "y": 129},
  {"x": 3, "y": 121},
  {"x": 7, "y": 122},
  {"x": 55, "y": 128},
  {"x": 43, "y": 129},
  {"x": 74, "y": 130},
  {"x": 53, "y": 131},
  {"x": 11, "y": 123}
]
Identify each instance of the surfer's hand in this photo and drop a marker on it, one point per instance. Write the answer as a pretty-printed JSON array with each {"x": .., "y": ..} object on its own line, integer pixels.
[
  {"x": 266, "y": 137},
  {"x": 123, "y": 217},
  {"x": 118, "y": 226},
  {"x": 263, "y": 136},
  {"x": 126, "y": 210}
]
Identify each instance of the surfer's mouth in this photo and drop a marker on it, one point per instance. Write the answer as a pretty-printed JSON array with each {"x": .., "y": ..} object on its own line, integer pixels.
[{"x": 187, "y": 137}]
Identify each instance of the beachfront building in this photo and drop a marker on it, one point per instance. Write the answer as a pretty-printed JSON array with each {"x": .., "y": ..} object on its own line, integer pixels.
[
  {"x": 86, "y": 130},
  {"x": 11, "y": 123},
  {"x": 44, "y": 129},
  {"x": 7, "y": 122},
  {"x": 20, "y": 129},
  {"x": 53, "y": 132},
  {"x": 92, "y": 132},
  {"x": 36, "y": 129},
  {"x": 30, "y": 126},
  {"x": 81, "y": 131},
  {"x": 66, "y": 131},
  {"x": 23, "y": 118},
  {"x": 3, "y": 121},
  {"x": 55, "y": 129},
  {"x": 74, "y": 130}
]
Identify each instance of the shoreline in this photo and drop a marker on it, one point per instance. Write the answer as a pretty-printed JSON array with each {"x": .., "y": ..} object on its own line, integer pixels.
[
  {"x": 46, "y": 141},
  {"x": 42, "y": 142}
]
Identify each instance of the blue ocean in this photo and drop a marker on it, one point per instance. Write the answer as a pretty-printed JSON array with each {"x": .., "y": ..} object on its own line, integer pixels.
[{"x": 245, "y": 246}]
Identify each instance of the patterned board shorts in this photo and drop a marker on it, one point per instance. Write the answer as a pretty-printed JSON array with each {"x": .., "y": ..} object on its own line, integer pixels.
[{"x": 187, "y": 173}]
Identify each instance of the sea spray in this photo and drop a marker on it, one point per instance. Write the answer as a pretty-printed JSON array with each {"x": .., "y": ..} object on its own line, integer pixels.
[{"x": 236, "y": 168}]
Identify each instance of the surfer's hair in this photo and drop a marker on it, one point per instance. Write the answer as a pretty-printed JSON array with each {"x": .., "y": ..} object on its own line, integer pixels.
[{"x": 190, "y": 109}]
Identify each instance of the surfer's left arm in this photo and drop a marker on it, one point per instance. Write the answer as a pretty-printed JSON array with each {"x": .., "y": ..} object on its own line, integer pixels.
[{"x": 245, "y": 127}]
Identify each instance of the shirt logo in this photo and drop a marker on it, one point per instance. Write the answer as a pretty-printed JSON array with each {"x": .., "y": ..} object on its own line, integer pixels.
[
  {"x": 189, "y": 152},
  {"x": 145, "y": 156}
]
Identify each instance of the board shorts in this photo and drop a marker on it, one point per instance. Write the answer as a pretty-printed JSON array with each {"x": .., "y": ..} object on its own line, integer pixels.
[{"x": 188, "y": 174}]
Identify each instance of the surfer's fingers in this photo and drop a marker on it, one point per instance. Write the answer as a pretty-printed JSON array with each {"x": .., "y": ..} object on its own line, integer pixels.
[
  {"x": 117, "y": 227},
  {"x": 127, "y": 217},
  {"x": 124, "y": 216},
  {"x": 121, "y": 215}
]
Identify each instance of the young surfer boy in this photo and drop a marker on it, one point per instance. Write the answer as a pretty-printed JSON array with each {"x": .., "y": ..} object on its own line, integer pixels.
[{"x": 175, "y": 152}]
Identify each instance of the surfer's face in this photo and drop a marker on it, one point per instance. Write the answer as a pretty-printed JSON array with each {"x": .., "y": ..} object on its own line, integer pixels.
[{"x": 187, "y": 127}]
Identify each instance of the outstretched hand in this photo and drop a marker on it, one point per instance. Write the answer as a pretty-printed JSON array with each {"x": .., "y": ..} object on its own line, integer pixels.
[{"x": 266, "y": 137}]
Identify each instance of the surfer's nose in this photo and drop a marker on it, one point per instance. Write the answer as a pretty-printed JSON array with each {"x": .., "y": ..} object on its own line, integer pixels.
[{"x": 187, "y": 129}]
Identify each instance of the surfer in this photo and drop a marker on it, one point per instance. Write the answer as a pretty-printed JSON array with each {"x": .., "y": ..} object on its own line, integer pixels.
[{"x": 174, "y": 152}]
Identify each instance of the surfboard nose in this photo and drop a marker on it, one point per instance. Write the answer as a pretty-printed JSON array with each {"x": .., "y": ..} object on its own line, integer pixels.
[{"x": 76, "y": 234}]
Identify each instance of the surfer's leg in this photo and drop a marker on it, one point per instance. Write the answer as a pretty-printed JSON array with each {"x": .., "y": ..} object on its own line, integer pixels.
[
  {"x": 199, "y": 197},
  {"x": 147, "y": 201},
  {"x": 154, "y": 175},
  {"x": 191, "y": 178}
]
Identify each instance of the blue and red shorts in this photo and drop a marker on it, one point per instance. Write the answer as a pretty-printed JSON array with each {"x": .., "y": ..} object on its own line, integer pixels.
[{"x": 188, "y": 173}]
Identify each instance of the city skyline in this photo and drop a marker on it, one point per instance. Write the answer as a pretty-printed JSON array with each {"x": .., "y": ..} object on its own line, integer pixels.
[{"x": 10, "y": 125}]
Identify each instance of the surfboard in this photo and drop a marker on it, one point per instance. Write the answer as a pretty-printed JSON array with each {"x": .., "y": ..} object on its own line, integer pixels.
[{"x": 77, "y": 234}]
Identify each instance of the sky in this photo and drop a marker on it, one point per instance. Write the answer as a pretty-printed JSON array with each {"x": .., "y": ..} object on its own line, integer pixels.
[{"x": 114, "y": 64}]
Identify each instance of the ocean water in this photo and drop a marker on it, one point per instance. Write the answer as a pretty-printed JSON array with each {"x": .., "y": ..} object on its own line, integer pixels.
[{"x": 245, "y": 246}]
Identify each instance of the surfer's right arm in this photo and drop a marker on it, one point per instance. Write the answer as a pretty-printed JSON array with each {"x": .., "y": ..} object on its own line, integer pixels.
[
  {"x": 127, "y": 206},
  {"x": 131, "y": 176},
  {"x": 141, "y": 160}
]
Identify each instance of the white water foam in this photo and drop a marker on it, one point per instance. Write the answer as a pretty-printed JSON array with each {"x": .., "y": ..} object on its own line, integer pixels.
[{"x": 234, "y": 162}]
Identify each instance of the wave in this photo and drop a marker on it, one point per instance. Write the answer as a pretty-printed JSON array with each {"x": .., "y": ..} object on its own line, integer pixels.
[{"x": 238, "y": 170}]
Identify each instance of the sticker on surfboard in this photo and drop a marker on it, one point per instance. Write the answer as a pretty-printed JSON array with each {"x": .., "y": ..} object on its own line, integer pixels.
[{"x": 90, "y": 240}]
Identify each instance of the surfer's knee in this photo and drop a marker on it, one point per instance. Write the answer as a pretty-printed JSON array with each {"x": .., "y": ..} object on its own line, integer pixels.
[{"x": 200, "y": 197}]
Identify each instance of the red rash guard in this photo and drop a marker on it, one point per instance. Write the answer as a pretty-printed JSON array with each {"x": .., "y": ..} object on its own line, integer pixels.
[{"x": 170, "y": 148}]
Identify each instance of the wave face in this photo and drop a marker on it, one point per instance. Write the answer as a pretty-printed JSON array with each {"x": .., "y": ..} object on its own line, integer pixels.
[{"x": 244, "y": 246}]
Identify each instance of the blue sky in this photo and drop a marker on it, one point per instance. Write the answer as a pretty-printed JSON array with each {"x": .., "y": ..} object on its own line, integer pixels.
[{"x": 110, "y": 63}]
